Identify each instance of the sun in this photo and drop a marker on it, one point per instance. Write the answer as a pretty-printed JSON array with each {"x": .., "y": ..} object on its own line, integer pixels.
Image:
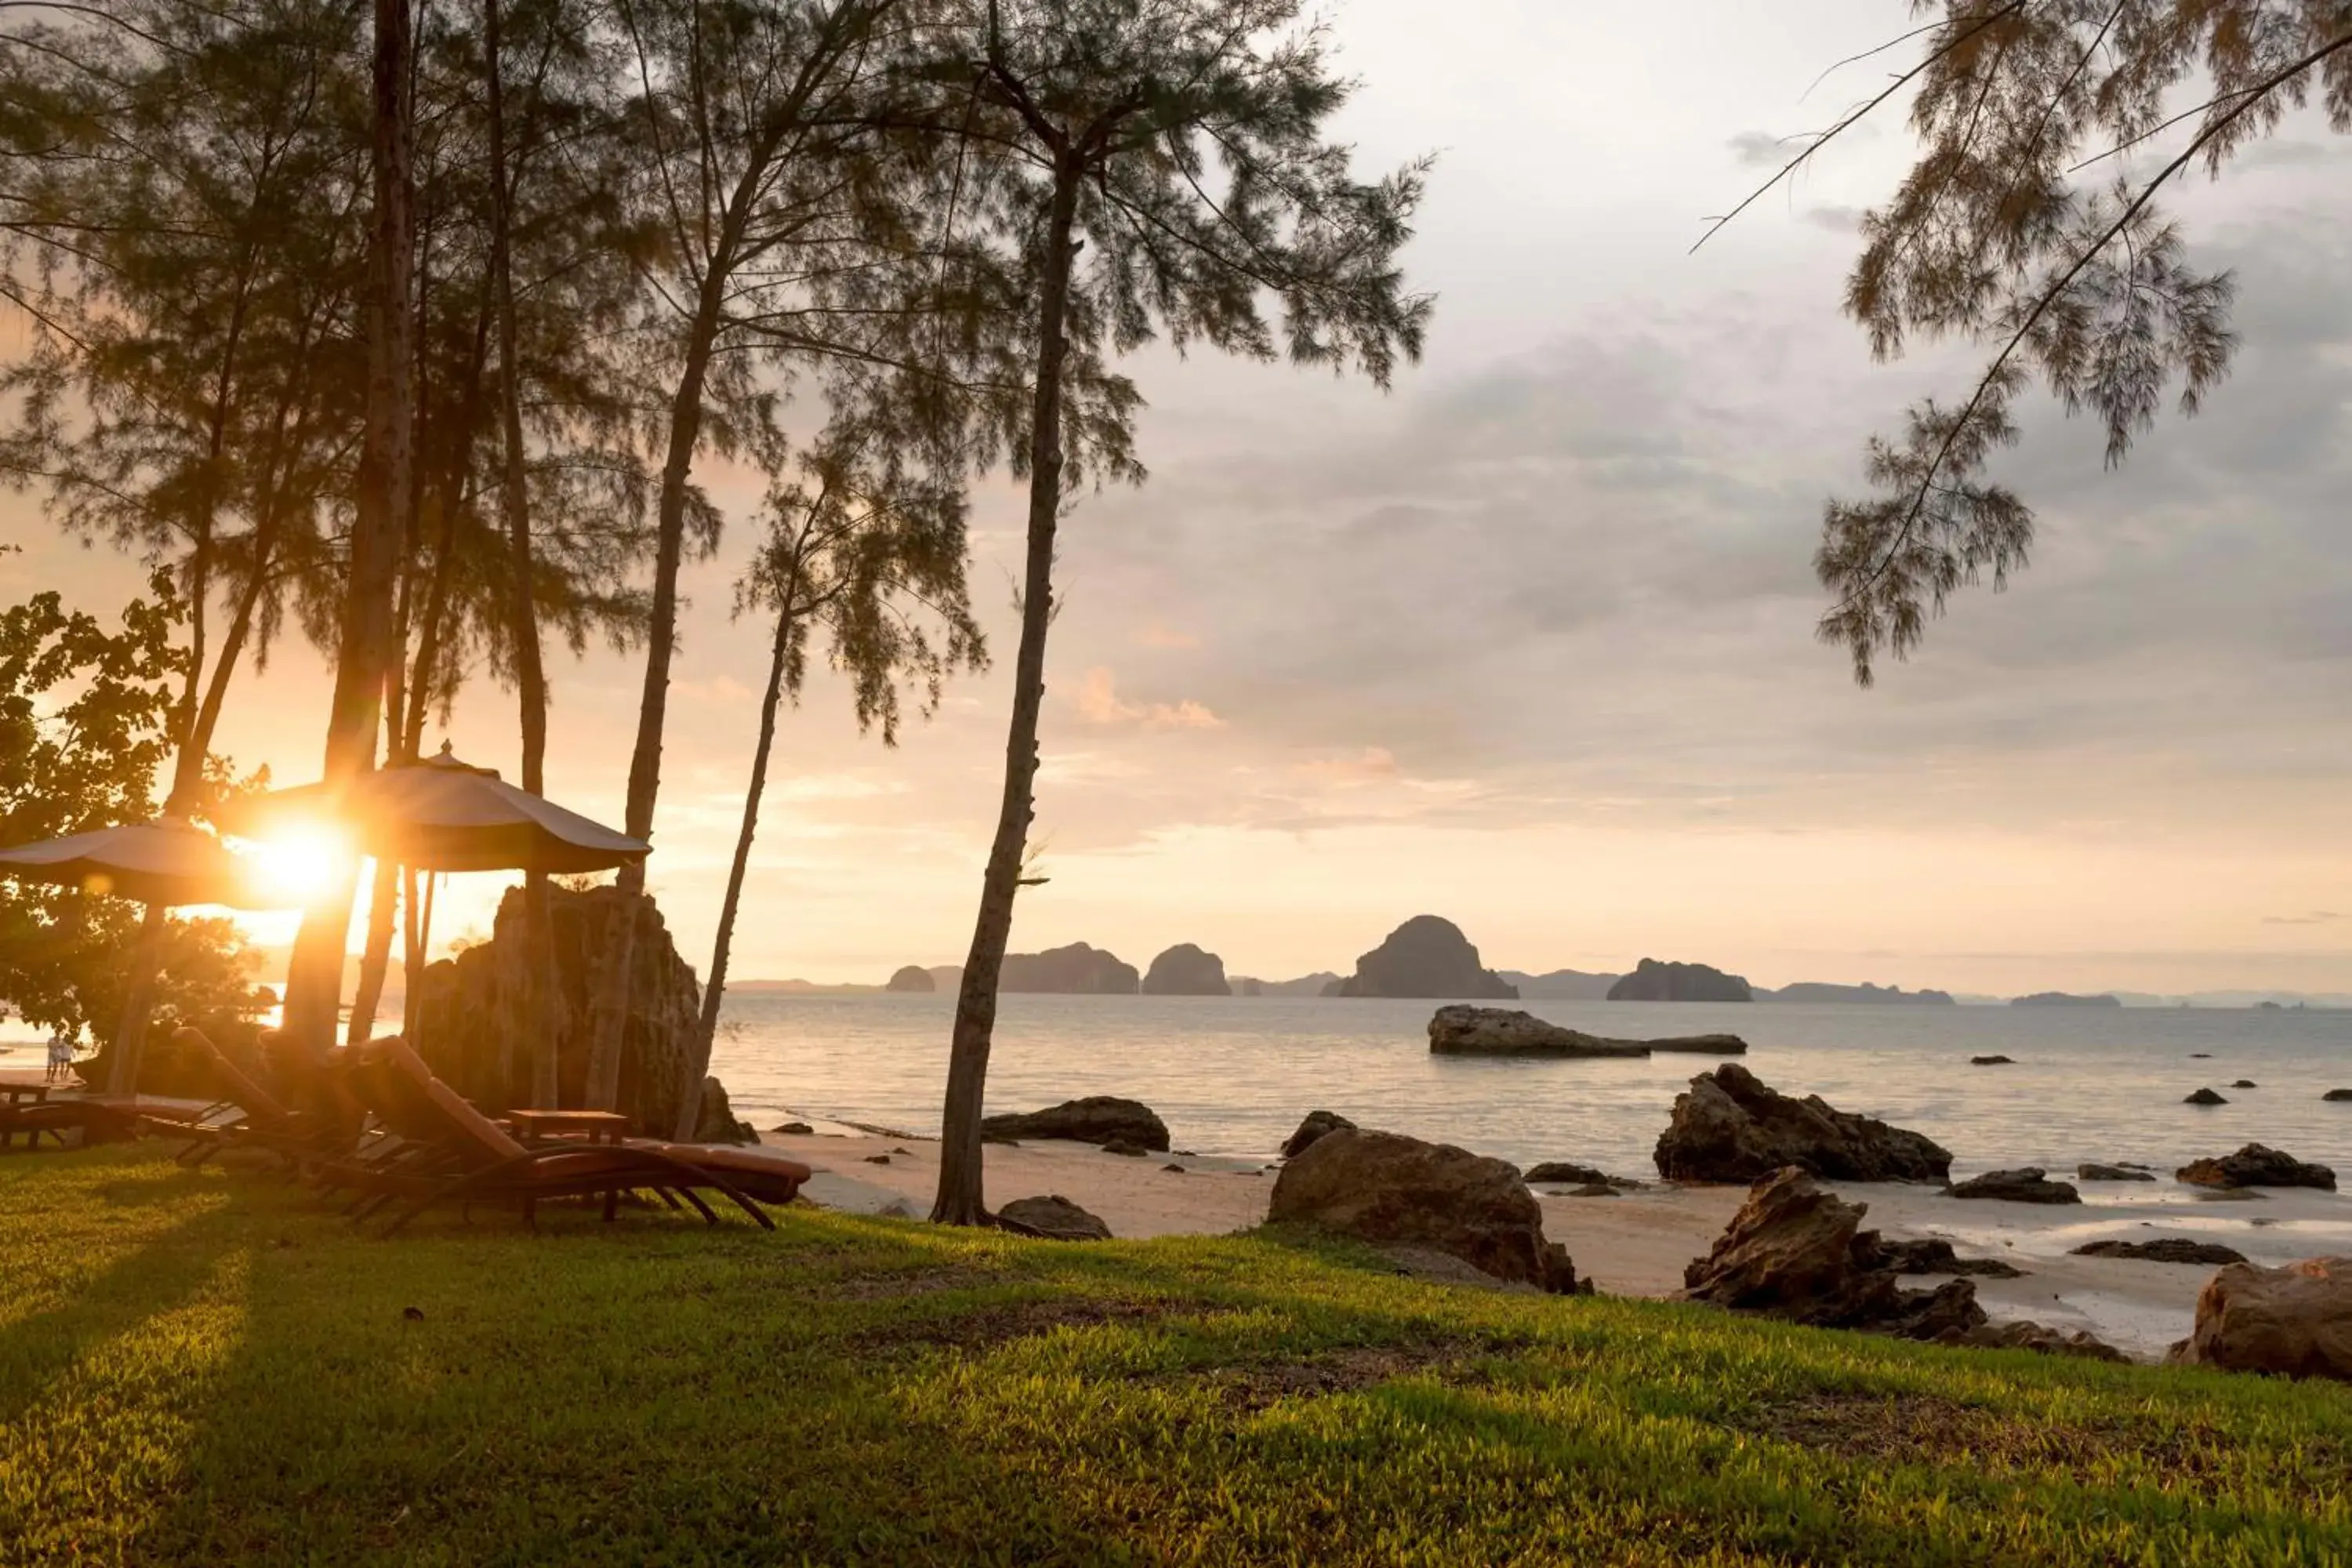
[{"x": 303, "y": 865}]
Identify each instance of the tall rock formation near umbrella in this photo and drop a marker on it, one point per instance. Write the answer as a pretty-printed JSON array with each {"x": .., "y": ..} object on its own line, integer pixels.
[
  {"x": 1426, "y": 957},
  {"x": 1185, "y": 971}
]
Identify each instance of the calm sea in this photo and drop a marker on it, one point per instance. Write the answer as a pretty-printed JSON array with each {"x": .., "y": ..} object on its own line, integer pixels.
[{"x": 1232, "y": 1076}]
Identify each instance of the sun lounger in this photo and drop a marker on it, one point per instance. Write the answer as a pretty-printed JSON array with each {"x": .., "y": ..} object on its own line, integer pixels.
[{"x": 98, "y": 1119}]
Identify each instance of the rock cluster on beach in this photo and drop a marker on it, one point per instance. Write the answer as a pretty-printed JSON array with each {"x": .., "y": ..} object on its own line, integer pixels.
[
  {"x": 2256, "y": 1165},
  {"x": 1386, "y": 1187},
  {"x": 1730, "y": 1126},
  {"x": 1185, "y": 971},
  {"x": 2294, "y": 1321},
  {"x": 1075, "y": 970},
  {"x": 1427, "y": 957},
  {"x": 1097, "y": 1119},
  {"x": 1463, "y": 1031},
  {"x": 1934, "y": 1255},
  {"x": 2163, "y": 1250},
  {"x": 1653, "y": 981}
]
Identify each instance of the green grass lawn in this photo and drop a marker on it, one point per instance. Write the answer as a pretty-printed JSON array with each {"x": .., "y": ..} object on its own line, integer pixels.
[{"x": 212, "y": 1368}]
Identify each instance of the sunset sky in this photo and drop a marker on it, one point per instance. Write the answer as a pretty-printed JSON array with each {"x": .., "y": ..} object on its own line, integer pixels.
[{"x": 1527, "y": 642}]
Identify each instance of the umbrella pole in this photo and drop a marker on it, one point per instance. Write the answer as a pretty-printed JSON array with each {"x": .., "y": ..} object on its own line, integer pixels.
[{"x": 418, "y": 960}]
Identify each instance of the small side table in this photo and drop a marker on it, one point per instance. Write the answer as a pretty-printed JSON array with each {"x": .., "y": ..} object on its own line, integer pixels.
[{"x": 538, "y": 1129}]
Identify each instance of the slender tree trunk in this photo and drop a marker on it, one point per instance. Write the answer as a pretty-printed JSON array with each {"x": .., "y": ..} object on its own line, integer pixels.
[
  {"x": 960, "y": 1200},
  {"x": 714, "y": 989},
  {"x": 363, "y": 654},
  {"x": 138, "y": 1002}
]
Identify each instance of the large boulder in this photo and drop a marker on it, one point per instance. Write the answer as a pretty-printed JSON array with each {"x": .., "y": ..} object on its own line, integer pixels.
[
  {"x": 1077, "y": 969},
  {"x": 2163, "y": 1249},
  {"x": 1654, "y": 981},
  {"x": 715, "y": 1121},
  {"x": 1730, "y": 1127},
  {"x": 1426, "y": 956},
  {"x": 913, "y": 980},
  {"x": 1385, "y": 1187},
  {"x": 2028, "y": 1336},
  {"x": 2256, "y": 1165},
  {"x": 2295, "y": 1322},
  {"x": 2029, "y": 1185},
  {"x": 1054, "y": 1219},
  {"x": 1185, "y": 971},
  {"x": 1797, "y": 1251},
  {"x": 1097, "y": 1119},
  {"x": 1318, "y": 1123},
  {"x": 469, "y": 1017}
]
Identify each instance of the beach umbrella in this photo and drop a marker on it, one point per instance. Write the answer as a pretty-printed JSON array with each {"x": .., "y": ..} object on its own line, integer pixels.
[
  {"x": 442, "y": 814},
  {"x": 160, "y": 864}
]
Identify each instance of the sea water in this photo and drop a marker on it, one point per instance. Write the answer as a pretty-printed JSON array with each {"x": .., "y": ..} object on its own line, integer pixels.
[{"x": 1234, "y": 1075}]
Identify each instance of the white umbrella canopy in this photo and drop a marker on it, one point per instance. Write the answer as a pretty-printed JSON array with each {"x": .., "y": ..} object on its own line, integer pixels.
[
  {"x": 167, "y": 863},
  {"x": 443, "y": 814}
]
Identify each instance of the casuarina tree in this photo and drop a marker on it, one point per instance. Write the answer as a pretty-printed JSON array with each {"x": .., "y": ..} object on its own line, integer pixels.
[
  {"x": 1143, "y": 169},
  {"x": 2032, "y": 225}
]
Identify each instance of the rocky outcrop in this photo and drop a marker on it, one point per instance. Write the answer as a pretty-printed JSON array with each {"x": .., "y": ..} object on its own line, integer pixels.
[
  {"x": 1185, "y": 971},
  {"x": 2244, "y": 1083},
  {"x": 1463, "y": 1031},
  {"x": 914, "y": 980},
  {"x": 2294, "y": 1321},
  {"x": 2163, "y": 1249},
  {"x": 1317, "y": 1124},
  {"x": 1054, "y": 1219},
  {"x": 2095, "y": 1172},
  {"x": 1995, "y": 1060},
  {"x": 2337, "y": 1094},
  {"x": 1426, "y": 956},
  {"x": 1385, "y": 1187},
  {"x": 1934, "y": 1255},
  {"x": 716, "y": 1121},
  {"x": 1730, "y": 1127},
  {"x": 1654, "y": 981},
  {"x": 1798, "y": 1251},
  {"x": 2256, "y": 1166},
  {"x": 2030, "y": 1185},
  {"x": 471, "y": 1023},
  {"x": 2204, "y": 1097},
  {"x": 1559, "y": 985},
  {"x": 1865, "y": 994},
  {"x": 1075, "y": 970},
  {"x": 1566, "y": 1172},
  {"x": 1097, "y": 1119},
  {"x": 2026, "y": 1336}
]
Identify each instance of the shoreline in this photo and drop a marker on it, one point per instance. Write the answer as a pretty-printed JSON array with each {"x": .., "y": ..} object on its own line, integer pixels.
[{"x": 1637, "y": 1243}]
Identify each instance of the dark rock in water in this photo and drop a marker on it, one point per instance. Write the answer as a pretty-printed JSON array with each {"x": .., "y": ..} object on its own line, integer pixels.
[
  {"x": 1464, "y": 1030},
  {"x": 1317, "y": 1124},
  {"x": 716, "y": 1121},
  {"x": 2201, "y": 1056},
  {"x": 1185, "y": 971},
  {"x": 1076, "y": 970},
  {"x": 1798, "y": 1251},
  {"x": 2025, "y": 1336},
  {"x": 1055, "y": 1218},
  {"x": 1566, "y": 1172},
  {"x": 2095, "y": 1172},
  {"x": 877, "y": 1159},
  {"x": 795, "y": 1129},
  {"x": 914, "y": 979},
  {"x": 1594, "y": 1190},
  {"x": 2029, "y": 1185},
  {"x": 1097, "y": 1119},
  {"x": 2244, "y": 1083},
  {"x": 1653, "y": 981},
  {"x": 2163, "y": 1250},
  {"x": 2256, "y": 1166},
  {"x": 1730, "y": 1127},
  {"x": 1177, "y": 1169},
  {"x": 1426, "y": 956},
  {"x": 1992, "y": 1061},
  {"x": 1934, "y": 1255},
  {"x": 2289, "y": 1322},
  {"x": 2204, "y": 1097},
  {"x": 1131, "y": 1151},
  {"x": 2337, "y": 1094},
  {"x": 1699, "y": 1045},
  {"x": 471, "y": 1026},
  {"x": 1384, "y": 1187}
]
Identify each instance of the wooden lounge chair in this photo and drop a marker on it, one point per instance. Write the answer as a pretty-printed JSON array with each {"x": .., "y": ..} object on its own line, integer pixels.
[
  {"x": 98, "y": 1120},
  {"x": 461, "y": 1156}
]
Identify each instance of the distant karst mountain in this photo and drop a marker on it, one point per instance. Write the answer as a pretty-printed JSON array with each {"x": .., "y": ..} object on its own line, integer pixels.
[
  {"x": 1818, "y": 991},
  {"x": 1185, "y": 971},
  {"x": 915, "y": 978},
  {"x": 1425, "y": 957},
  {"x": 1077, "y": 969},
  {"x": 1559, "y": 985},
  {"x": 2062, "y": 999},
  {"x": 1654, "y": 981},
  {"x": 1318, "y": 983}
]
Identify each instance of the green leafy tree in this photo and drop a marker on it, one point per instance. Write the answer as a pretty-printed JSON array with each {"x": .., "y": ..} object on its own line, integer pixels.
[
  {"x": 1141, "y": 168},
  {"x": 2032, "y": 225}
]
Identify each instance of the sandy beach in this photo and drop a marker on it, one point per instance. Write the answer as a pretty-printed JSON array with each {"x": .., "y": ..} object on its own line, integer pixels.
[{"x": 1637, "y": 1243}]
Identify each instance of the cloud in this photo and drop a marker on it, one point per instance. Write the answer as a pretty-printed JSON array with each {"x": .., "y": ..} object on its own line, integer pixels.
[
  {"x": 1099, "y": 704},
  {"x": 1159, "y": 635},
  {"x": 1762, "y": 150},
  {"x": 1836, "y": 220}
]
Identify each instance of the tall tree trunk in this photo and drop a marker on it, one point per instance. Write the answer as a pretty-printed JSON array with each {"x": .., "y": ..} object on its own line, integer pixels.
[
  {"x": 514, "y": 496},
  {"x": 608, "y": 1019},
  {"x": 714, "y": 989},
  {"x": 138, "y": 1002},
  {"x": 314, "y": 981},
  {"x": 960, "y": 1200}
]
